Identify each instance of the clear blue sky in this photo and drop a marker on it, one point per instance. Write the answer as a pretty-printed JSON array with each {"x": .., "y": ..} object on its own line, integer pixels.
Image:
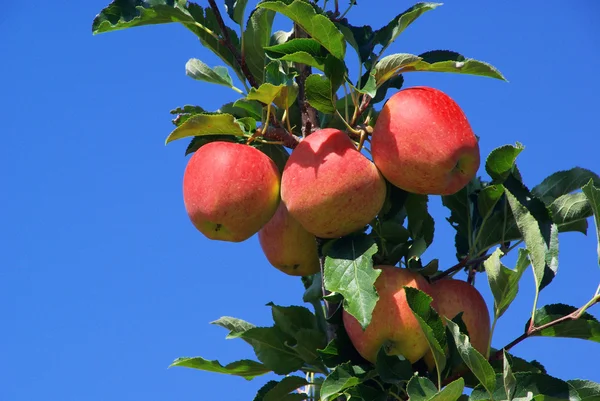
[{"x": 104, "y": 281}]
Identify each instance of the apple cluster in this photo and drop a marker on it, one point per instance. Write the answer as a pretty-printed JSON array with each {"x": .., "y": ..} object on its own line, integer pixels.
[{"x": 421, "y": 143}]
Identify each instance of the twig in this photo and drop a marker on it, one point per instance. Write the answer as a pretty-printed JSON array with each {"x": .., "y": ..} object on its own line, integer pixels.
[
  {"x": 310, "y": 121},
  {"x": 364, "y": 105},
  {"x": 460, "y": 265},
  {"x": 280, "y": 134},
  {"x": 226, "y": 41}
]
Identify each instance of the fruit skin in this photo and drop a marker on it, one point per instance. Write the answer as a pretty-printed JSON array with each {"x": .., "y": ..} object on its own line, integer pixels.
[
  {"x": 230, "y": 190},
  {"x": 330, "y": 187},
  {"x": 288, "y": 246},
  {"x": 423, "y": 143},
  {"x": 393, "y": 322},
  {"x": 455, "y": 296}
]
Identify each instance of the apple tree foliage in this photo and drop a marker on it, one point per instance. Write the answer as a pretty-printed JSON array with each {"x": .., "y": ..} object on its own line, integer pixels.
[{"x": 293, "y": 82}]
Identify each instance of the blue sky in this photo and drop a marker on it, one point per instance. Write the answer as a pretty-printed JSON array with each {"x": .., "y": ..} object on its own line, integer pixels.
[{"x": 104, "y": 281}]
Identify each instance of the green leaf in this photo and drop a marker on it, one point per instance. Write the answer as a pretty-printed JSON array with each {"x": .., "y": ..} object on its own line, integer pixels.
[
  {"x": 510, "y": 382},
  {"x": 185, "y": 112},
  {"x": 396, "y": 83},
  {"x": 572, "y": 210},
  {"x": 318, "y": 91},
  {"x": 476, "y": 362},
  {"x": 539, "y": 231},
  {"x": 529, "y": 386},
  {"x": 245, "y": 368},
  {"x": 451, "y": 392},
  {"x": 430, "y": 322},
  {"x": 393, "y": 369},
  {"x": 122, "y": 14},
  {"x": 341, "y": 378},
  {"x": 420, "y": 222},
  {"x": 360, "y": 38},
  {"x": 206, "y": 124},
  {"x": 501, "y": 161},
  {"x": 196, "y": 69},
  {"x": 277, "y": 153},
  {"x": 305, "y": 45},
  {"x": 593, "y": 195},
  {"x": 245, "y": 108},
  {"x": 585, "y": 327},
  {"x": 235, "y": 326},
  {"x": 235, "y": 10},
  {"x": 281, "y": 390},
  {"x": 270, "y": 347},
  {"x": 420, "y": 389},
  {"x": 564, "y": 182},
  {"x": 317, "y": 26},
  {"x": 256, "y": 37},
  {"x": 587, "y": 390},
  {"x": 268, "y": 386},
  {"x": 388, "y": 67},
  {"x": 518, "y": 365},
  {"x": 503, "y": 281},
  {"x": 386, "y": 35},
  {"x": 349, "y": 271},
  {"x": 365, "y": 392},
  {"x": 198, "y": 141},
  {"x": 449, "y": 61},
  {"x": 488, "y": 199},
  {"x": 268, "y": 93}
]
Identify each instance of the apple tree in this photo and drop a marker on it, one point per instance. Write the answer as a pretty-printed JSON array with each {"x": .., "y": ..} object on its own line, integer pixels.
[{"x": 334, "y": 173}]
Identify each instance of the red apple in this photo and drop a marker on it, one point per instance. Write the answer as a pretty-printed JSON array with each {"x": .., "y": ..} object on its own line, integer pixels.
[
  {"x": 330, "y": 187},
  {"x": 455, "y": 296},
  {"x": 288, "y": 246},
  {"x": 423, "y": 143},
  {"x": 393, "y": 323},
  {"x": 230, "y": 190}
]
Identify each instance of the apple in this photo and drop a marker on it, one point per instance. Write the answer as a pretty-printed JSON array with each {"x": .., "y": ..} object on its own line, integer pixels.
[
  {"x": 230, "y": 190},
  {"x": 455, "y": 296},
  {"x": 288, "y": 246},
  {"x": 393, "y": 323},
  {"x": 423, "y": 143},
  {"x": 330, "y": 187}
]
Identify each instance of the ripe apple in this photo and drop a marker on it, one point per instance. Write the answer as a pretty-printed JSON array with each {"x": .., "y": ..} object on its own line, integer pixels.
[
  {"x": 455, "y": 296},
  {"x": 393, "y": 323},
  {"x": 423, "y": 143},
  {"x": 230, "y": 190},
  {"x": 330, "y": 187},
  {"x": 288, "y": 246}
]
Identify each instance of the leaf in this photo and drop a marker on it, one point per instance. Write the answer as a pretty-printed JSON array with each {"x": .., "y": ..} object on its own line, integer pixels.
[
  {"x": 235, "y": 326},
  {"x": 501, "y": 161},
  {"x": 539, "y": 231},
  {"x": 518, "y": 365},
  {"x": 585, "y": 327},
  {"x": 510, "y": 382},
  {"x": 361, "y": 38},
  {"x": 572, "y": 209},
  {"x": 393, "y": 369},
  {"x": 206, "y": 124},
  {"x": 388, "y": 67},
  {"x": 476, "y": 362},
  {"x": 386, "y": 35},
  {"x": 454, "y": 62},
  {"x": 395, "y": 82},
  {"x": 430, "y": 322},
  {"x": 252, "y": 108},
  {"x": 270, "y": 347},
  {"x": 420, "y": 222},
  {"x": 365, "y": 392},
  {"x": 319, "y": 93},
  {"x": 245, "y": 368},
  {"x": 296, "y": 45},
  {"x": 198, "y": 141},
  {"x": 196, "y": 69},
  {"x": 587, "y": 390},
  {"x": 564, "y": 182},
  {"x": 341, "y": 378},
  {"x": 268, "y": 93},
  {"x": 593, "y": 195},
  {"x": 121, "y": 14},
  {"x": 451, "y": 392},
  {"x": 349, "y": 271},
  {"x": 529, "y": 386},
  {"x": 235, "y": 10},
  {"x": 420, "y": 389},
  {"x": 282, "y": 389},
  {"x": 488, "y": 199},
  {"x": 256, "y": 37},
  {"x": 503, "y": 281},
  {"x": 277, "y": 153},
  {"x": 317, "y": 26}
]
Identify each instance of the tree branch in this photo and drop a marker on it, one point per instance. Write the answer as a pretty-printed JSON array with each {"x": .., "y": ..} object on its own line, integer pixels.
[
  {"x": 226, "y": 41},
  {"x": 310, "y": 122},
  {"x": 278, "y": 133},
  {"x": 459, "y": 266}
]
